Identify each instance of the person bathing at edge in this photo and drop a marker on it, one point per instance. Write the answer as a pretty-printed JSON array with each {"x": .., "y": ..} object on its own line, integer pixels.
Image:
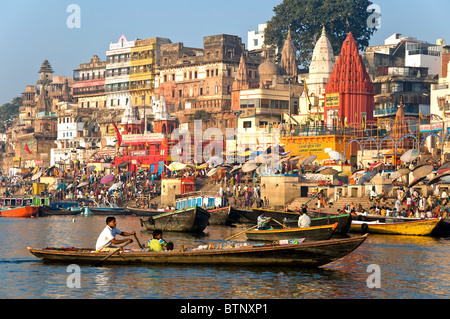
[{"x": 107, "y": 240}]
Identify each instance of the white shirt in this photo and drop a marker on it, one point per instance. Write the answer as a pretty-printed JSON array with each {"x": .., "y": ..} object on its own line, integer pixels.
[
  {"x": 104, "y": 240},
  {"x": 304, "y": 221}
]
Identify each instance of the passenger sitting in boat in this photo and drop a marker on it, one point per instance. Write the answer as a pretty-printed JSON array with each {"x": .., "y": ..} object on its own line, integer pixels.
[
  {"x": 158, "y": 243},
  {"x": 263, "y": 222},
  {"x": 107, "y": 240},
  {"x": 304, "y": 220}
]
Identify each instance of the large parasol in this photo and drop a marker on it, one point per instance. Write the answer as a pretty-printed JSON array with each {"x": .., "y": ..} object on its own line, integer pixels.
[
  {"x": 438, "y": 178},
  {"x": 36, "y": 176},
  {"x": 329, "y": 171},
  {"x": 375, "y": 165},
  {"x": 409, "y": 156},
  {"x": 401, "y": 172},
  {"x": 213, "y": 172},
  {"x": 249, "y": 167},
  {"x": 356, "y": 174},
  {"x": 422, "y": 171},
  {"x": 107, "y": 179},
  {"x": 416, "y": 181},
  {"x": 309, "y": 160},
  {"x": 177, "y": 166},
  {"x": 336, "y": 156},
  {"x": 367, "y": 177}
]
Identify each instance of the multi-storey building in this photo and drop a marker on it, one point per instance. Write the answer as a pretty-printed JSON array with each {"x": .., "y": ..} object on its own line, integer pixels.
[
  {"x": 117, "y": 80},
  {"x": 197, "y": 83},
  {"x": 89, "y": 84},
  {"x": 145, "y": 57}
]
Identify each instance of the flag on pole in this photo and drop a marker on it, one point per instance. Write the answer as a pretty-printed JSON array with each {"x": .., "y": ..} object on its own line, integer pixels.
[
  {"x": 27, "y": 149},
  {"x": 119, "y": 137}
]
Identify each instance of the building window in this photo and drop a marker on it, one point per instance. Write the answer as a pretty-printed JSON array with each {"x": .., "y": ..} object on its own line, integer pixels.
[
  {"x": 247, "y": 124},
  {"x": 255, "y": 42}
]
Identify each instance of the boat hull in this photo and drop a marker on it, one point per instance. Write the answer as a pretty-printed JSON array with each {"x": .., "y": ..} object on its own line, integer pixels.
[
  {"x": 412, "y": 228},
  {"x": 48, "y": 211},
  {"x": 194, "y": 219},
  {"x": 146, "y": 212},
  {"x": 306, "y": 255},
  {"x": 219, "y": 216},
  {"x": 20, "y": 212},
  {"x": 317, "y": 219},
  {"x": 109, "y": 211},
  {"x": 309, "y": 233}
]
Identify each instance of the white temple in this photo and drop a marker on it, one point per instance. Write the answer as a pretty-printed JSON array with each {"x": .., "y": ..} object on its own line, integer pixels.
[
  {"x": 322, "y": 64},
  {"x": 160, "y": 109}
]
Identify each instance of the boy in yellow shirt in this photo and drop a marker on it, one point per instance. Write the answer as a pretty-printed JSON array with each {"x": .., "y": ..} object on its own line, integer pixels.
[{"x": 158, "y": 243}]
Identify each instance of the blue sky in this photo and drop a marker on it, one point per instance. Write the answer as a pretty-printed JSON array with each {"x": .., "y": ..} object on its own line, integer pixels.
[{"x": 32, "y": 31}]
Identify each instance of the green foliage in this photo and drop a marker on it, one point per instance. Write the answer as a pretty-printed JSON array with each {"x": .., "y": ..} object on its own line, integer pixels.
[
  {"x": 306, "y": 19},
  {"x": 201, "y": 115},
  {"x": 10, "y": 110}
]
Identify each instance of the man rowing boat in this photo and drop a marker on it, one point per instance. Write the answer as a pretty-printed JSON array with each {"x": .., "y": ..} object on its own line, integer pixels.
[{"x": 107, "y": 240}]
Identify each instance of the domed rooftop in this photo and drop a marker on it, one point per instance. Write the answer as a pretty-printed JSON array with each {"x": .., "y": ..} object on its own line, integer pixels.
[
  {"x": 322, "y": 61},
  {"x": 267, "y": 69}
]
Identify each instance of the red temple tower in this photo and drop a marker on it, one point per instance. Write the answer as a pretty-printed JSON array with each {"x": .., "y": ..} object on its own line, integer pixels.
[{"x": 349, "y": 91}]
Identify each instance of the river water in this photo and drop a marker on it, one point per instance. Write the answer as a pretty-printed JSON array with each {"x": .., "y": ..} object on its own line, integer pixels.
[{"x": 409, "y": 267}]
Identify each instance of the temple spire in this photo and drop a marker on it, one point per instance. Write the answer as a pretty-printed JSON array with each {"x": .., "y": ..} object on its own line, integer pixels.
[{"x": 289, "y": 56}]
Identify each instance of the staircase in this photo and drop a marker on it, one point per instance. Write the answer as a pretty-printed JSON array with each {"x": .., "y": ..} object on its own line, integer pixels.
[{"x": 340, "y": 203}]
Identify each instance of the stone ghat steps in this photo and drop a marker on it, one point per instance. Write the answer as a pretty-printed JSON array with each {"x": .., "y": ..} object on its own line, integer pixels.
[{"x": 339, "y": 204}]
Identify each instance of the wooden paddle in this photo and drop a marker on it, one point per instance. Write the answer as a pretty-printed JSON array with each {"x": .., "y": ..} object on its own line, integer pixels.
[
  {"x": 100, "y": 262},
  {"x": 137, "y": 240},
  {"x": 279, "y": 223},
  {"x": 241, "y": 233}
]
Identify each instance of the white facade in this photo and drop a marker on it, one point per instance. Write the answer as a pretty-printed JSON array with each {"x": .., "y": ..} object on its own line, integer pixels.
[
  {"x": 418, "y": 53},
  {"x": 118, "y": 73},
  {"x": 440, "y": 94},
  {"x": 256, "y": 38},
  {"x": 320, "y": 69}
]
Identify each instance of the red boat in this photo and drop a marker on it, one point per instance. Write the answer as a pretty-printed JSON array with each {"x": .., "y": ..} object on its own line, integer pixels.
[{"x": 24, "y": 211}]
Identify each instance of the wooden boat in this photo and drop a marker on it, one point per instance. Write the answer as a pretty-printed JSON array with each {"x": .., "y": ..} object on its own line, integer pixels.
[
  {"x": 24, "y": 211},
  {"x": 50, "y": 211},
  {"x": 147, "y": 212},
  {"x": 220, "y": 216},
  {"x": 308, "y": 233},
  {"x": 308, "y": 255},
  {"x": 344, "y": 221},
  {"x": 194, "y": 219},
  {"x": 110, "y": 211},
  {"x": 317, "y": 219},
  {"x": 413, "y": 228},
  {"x": 244, "y": 216},
  {"x": 442, "y": 229}
]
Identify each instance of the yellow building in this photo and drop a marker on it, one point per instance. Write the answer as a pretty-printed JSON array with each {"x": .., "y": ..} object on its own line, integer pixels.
[
  {"x": 143, "y": 64},
  {"x": 319, "y": 145}
]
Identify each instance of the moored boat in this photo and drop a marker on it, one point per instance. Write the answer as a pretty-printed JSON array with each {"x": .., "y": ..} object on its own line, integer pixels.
[
  {"x": 317, "y": 218},
  {"x": 307, "y": 255},
  {"x": 309, "y": 233},
  {"x": 194, "y": 219},
  {"x": 50, "y": 211},
  {"x": 413, "y": 228},
  {"x": 21, "y": 212},
  {"x": 147, "y": 212},
  {"x": 220, "y": 216},
  {"x": 109, "y": 211}
]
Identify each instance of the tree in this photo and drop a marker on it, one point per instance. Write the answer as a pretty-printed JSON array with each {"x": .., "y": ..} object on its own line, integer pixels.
[
  {"x": 10, "y": 110},
  {"x": 201, "y": 115},
  {"x": 306, "y": 19}
]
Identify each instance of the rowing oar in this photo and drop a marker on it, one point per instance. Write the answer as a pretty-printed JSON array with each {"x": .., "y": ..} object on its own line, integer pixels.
[
  {"x": 241, "y": 233},
  {"x": 99, "y": 263},
  {"x": 137, "y": 240},
  {"x": 284, "y": 226}
]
